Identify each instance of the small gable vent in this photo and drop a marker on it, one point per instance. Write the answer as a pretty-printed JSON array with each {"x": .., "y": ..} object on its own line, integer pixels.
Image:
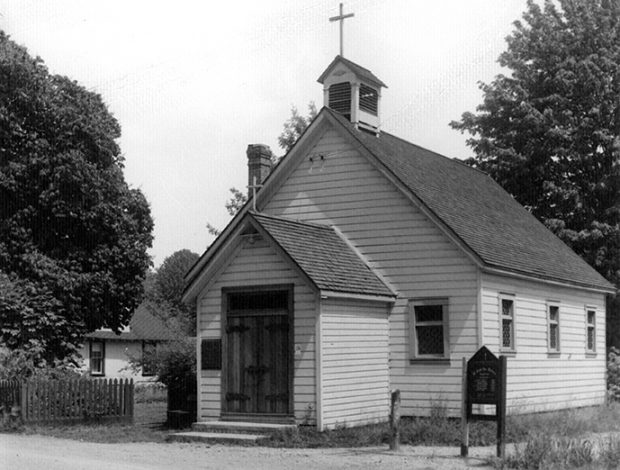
[
  {"x": 340, "y": 98},
  {"x": 369, "y": 99}
]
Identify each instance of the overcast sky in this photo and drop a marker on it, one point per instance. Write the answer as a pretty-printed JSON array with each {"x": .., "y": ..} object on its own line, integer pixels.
[{"x": 193, "y": 83}]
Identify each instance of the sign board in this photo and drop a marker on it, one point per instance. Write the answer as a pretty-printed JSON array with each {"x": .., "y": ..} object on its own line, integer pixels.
[
  {"x": 482, "y": 378},
  {"x": 484, "y": 383}
]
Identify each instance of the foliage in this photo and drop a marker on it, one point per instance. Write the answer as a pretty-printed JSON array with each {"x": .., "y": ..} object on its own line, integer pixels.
[
  {"x": 549, "y": 132},
  {"x": 169, "y": 276},
  {"x": 171, "y": 362},
  {"x": 613, "y": 374},
  {"x": 73, "y": 235},
  {"x": 163, "y": 290},
  {"x": 16, "y": 364},
  {"x": 541, "y": 451},
  {"x": 295, "y": 126}
]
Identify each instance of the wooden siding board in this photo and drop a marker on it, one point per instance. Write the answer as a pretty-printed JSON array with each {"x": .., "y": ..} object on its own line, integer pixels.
[
  {"x": 254, "y": 265},
  {"x": 355, "y": 373},
  {"x": 398, "y": 240},
  {"x": 537, "y": 380}
]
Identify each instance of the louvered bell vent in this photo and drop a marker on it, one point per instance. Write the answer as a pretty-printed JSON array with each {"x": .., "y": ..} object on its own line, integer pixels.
[{"x": 354, "y": 92}]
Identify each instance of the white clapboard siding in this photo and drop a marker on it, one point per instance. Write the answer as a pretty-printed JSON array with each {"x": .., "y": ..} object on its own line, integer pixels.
[
  {"x": 259, "y": 264},
  {"x": 354, "y": 362},
  {"x": 537, "y": 379},
  {"x": 403, "y": 245}
]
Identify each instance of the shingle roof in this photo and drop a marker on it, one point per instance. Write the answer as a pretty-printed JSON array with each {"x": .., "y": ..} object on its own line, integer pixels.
[
  {"x": 143, "y": 326},
  {"x": 357, "y": 69},
  {"x": 482, "y": 214},
  {"x": 323, "y": 256}
]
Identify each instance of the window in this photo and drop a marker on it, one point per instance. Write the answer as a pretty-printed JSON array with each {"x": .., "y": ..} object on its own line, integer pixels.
[
  {"x": 429, "y": 328},
  {"x": 97, "y": 357},
  {"x": 590, "y": 330},
  {"x": 553, "y": 322},
  {"x": 507, "y": 323},
  {"x": 369, "y": 99},
  {"x": 149, "y": 349}
]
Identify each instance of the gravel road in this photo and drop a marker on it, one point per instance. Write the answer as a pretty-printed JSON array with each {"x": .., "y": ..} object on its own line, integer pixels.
[{"x": 48, "y": 453}]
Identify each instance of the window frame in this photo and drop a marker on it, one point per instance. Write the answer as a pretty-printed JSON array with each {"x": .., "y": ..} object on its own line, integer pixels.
[
  {"x": 501, "y": 317},
  {"x": 588, "y": 309},
  {"x": 97, "y": 373},
  {"x": 414, "y": 355},
  {"x": 550, "y": 305}
]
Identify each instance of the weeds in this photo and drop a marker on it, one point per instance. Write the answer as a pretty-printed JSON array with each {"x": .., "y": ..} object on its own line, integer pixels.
[{"x": 542, "y": 451}]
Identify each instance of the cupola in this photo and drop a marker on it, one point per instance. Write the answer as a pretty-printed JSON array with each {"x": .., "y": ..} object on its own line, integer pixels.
[{"x": 354, "y": 92}]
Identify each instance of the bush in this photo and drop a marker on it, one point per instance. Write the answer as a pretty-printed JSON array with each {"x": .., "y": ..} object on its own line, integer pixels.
[
  {"x": 172, "y": 362},
  {"x": 17, "y": 364},
  {"x": 613, "y": 374}
]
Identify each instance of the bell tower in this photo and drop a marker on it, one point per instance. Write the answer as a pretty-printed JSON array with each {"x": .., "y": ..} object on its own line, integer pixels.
[{"x": 354, "y": 92}]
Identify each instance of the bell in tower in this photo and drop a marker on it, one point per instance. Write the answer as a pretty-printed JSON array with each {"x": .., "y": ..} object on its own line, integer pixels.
[{"x": 354, "y": 92}]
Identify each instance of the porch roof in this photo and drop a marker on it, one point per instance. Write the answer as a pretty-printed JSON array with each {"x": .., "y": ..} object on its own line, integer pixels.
[{"x": 324, "y": 256}]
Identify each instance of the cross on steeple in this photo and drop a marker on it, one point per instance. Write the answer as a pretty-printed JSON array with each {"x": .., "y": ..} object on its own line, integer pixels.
[{"x": 341, "y": 18}]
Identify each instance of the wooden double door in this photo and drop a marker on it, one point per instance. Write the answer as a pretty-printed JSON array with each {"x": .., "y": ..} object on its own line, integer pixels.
[{"x": 258, "y": 354}]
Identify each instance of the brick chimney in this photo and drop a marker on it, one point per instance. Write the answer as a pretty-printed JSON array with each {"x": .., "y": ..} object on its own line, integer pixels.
[{"x": 259, "y": 164}]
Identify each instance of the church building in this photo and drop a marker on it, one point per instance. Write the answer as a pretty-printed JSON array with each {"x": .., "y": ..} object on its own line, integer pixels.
[{"x": 365, "y": 263}]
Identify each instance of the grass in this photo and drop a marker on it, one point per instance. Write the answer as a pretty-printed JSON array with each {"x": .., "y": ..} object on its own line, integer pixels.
[
  {"x": 541, "y": 451},
  {"x": 554, "y": 440},
  {"x": 149, "y": 419},
  {"x": 438, "y": 429}
]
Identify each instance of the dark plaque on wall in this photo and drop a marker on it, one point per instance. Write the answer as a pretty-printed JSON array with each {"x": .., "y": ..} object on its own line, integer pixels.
[{"x": 211, "y": 354}]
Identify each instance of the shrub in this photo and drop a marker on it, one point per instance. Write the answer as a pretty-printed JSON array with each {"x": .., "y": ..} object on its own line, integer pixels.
[
  {"x": 172, "y": 362},
  {"x": 17, "y": 364},
  {"x": 613, "y": 374}
]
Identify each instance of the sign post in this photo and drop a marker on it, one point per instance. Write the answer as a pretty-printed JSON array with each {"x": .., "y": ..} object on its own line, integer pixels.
[{"x": 484, "y": 383}]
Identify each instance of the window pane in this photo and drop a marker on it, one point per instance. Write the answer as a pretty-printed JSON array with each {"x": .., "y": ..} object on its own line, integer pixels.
[
  {"x": 507, "y": 333},
  {"x": 425, "y": 313},
  {"x": 507, "y": 307},
  {"x": 590, "y": 338},
  {"x": 258, "y": 300},
  {"x": 553, "y": 313},
  {"x": 430, "y": 339},
  {"x": 553, "y": 336},
  {"x": 590, "y": 317}
]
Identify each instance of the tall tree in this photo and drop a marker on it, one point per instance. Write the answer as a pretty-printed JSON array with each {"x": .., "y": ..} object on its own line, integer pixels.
[
  {"x": 163, "y": 290},
  {"x": 295, "y": 126},
  {"x": 73, "y": 235},
  {"x": 549, "y": 132}
]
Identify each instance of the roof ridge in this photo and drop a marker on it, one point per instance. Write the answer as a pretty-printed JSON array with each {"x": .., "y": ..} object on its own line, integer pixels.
[{"x": 293, "y": 221}]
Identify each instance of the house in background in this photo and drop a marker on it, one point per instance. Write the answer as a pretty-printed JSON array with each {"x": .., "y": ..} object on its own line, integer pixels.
[
  {"x": 107, "y": 354},
  {"x": 366, "y": 263}
]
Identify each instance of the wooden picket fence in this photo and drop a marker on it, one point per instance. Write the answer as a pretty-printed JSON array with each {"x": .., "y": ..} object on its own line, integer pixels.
[
  {"x": 9, "y": 394},
  {"x": 72, "y": 400}
]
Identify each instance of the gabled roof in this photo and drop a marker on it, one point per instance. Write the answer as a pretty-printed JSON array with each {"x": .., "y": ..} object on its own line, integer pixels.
[
  {"x": 357, "y": 69},
  {"x": 326, "y": 259},
  {"x": 501, "y": 232},
  {"x": 143, "y": 326}
]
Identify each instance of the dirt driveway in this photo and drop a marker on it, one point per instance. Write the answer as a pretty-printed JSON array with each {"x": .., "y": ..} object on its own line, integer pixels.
[{"x": 48, "y": 453}]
